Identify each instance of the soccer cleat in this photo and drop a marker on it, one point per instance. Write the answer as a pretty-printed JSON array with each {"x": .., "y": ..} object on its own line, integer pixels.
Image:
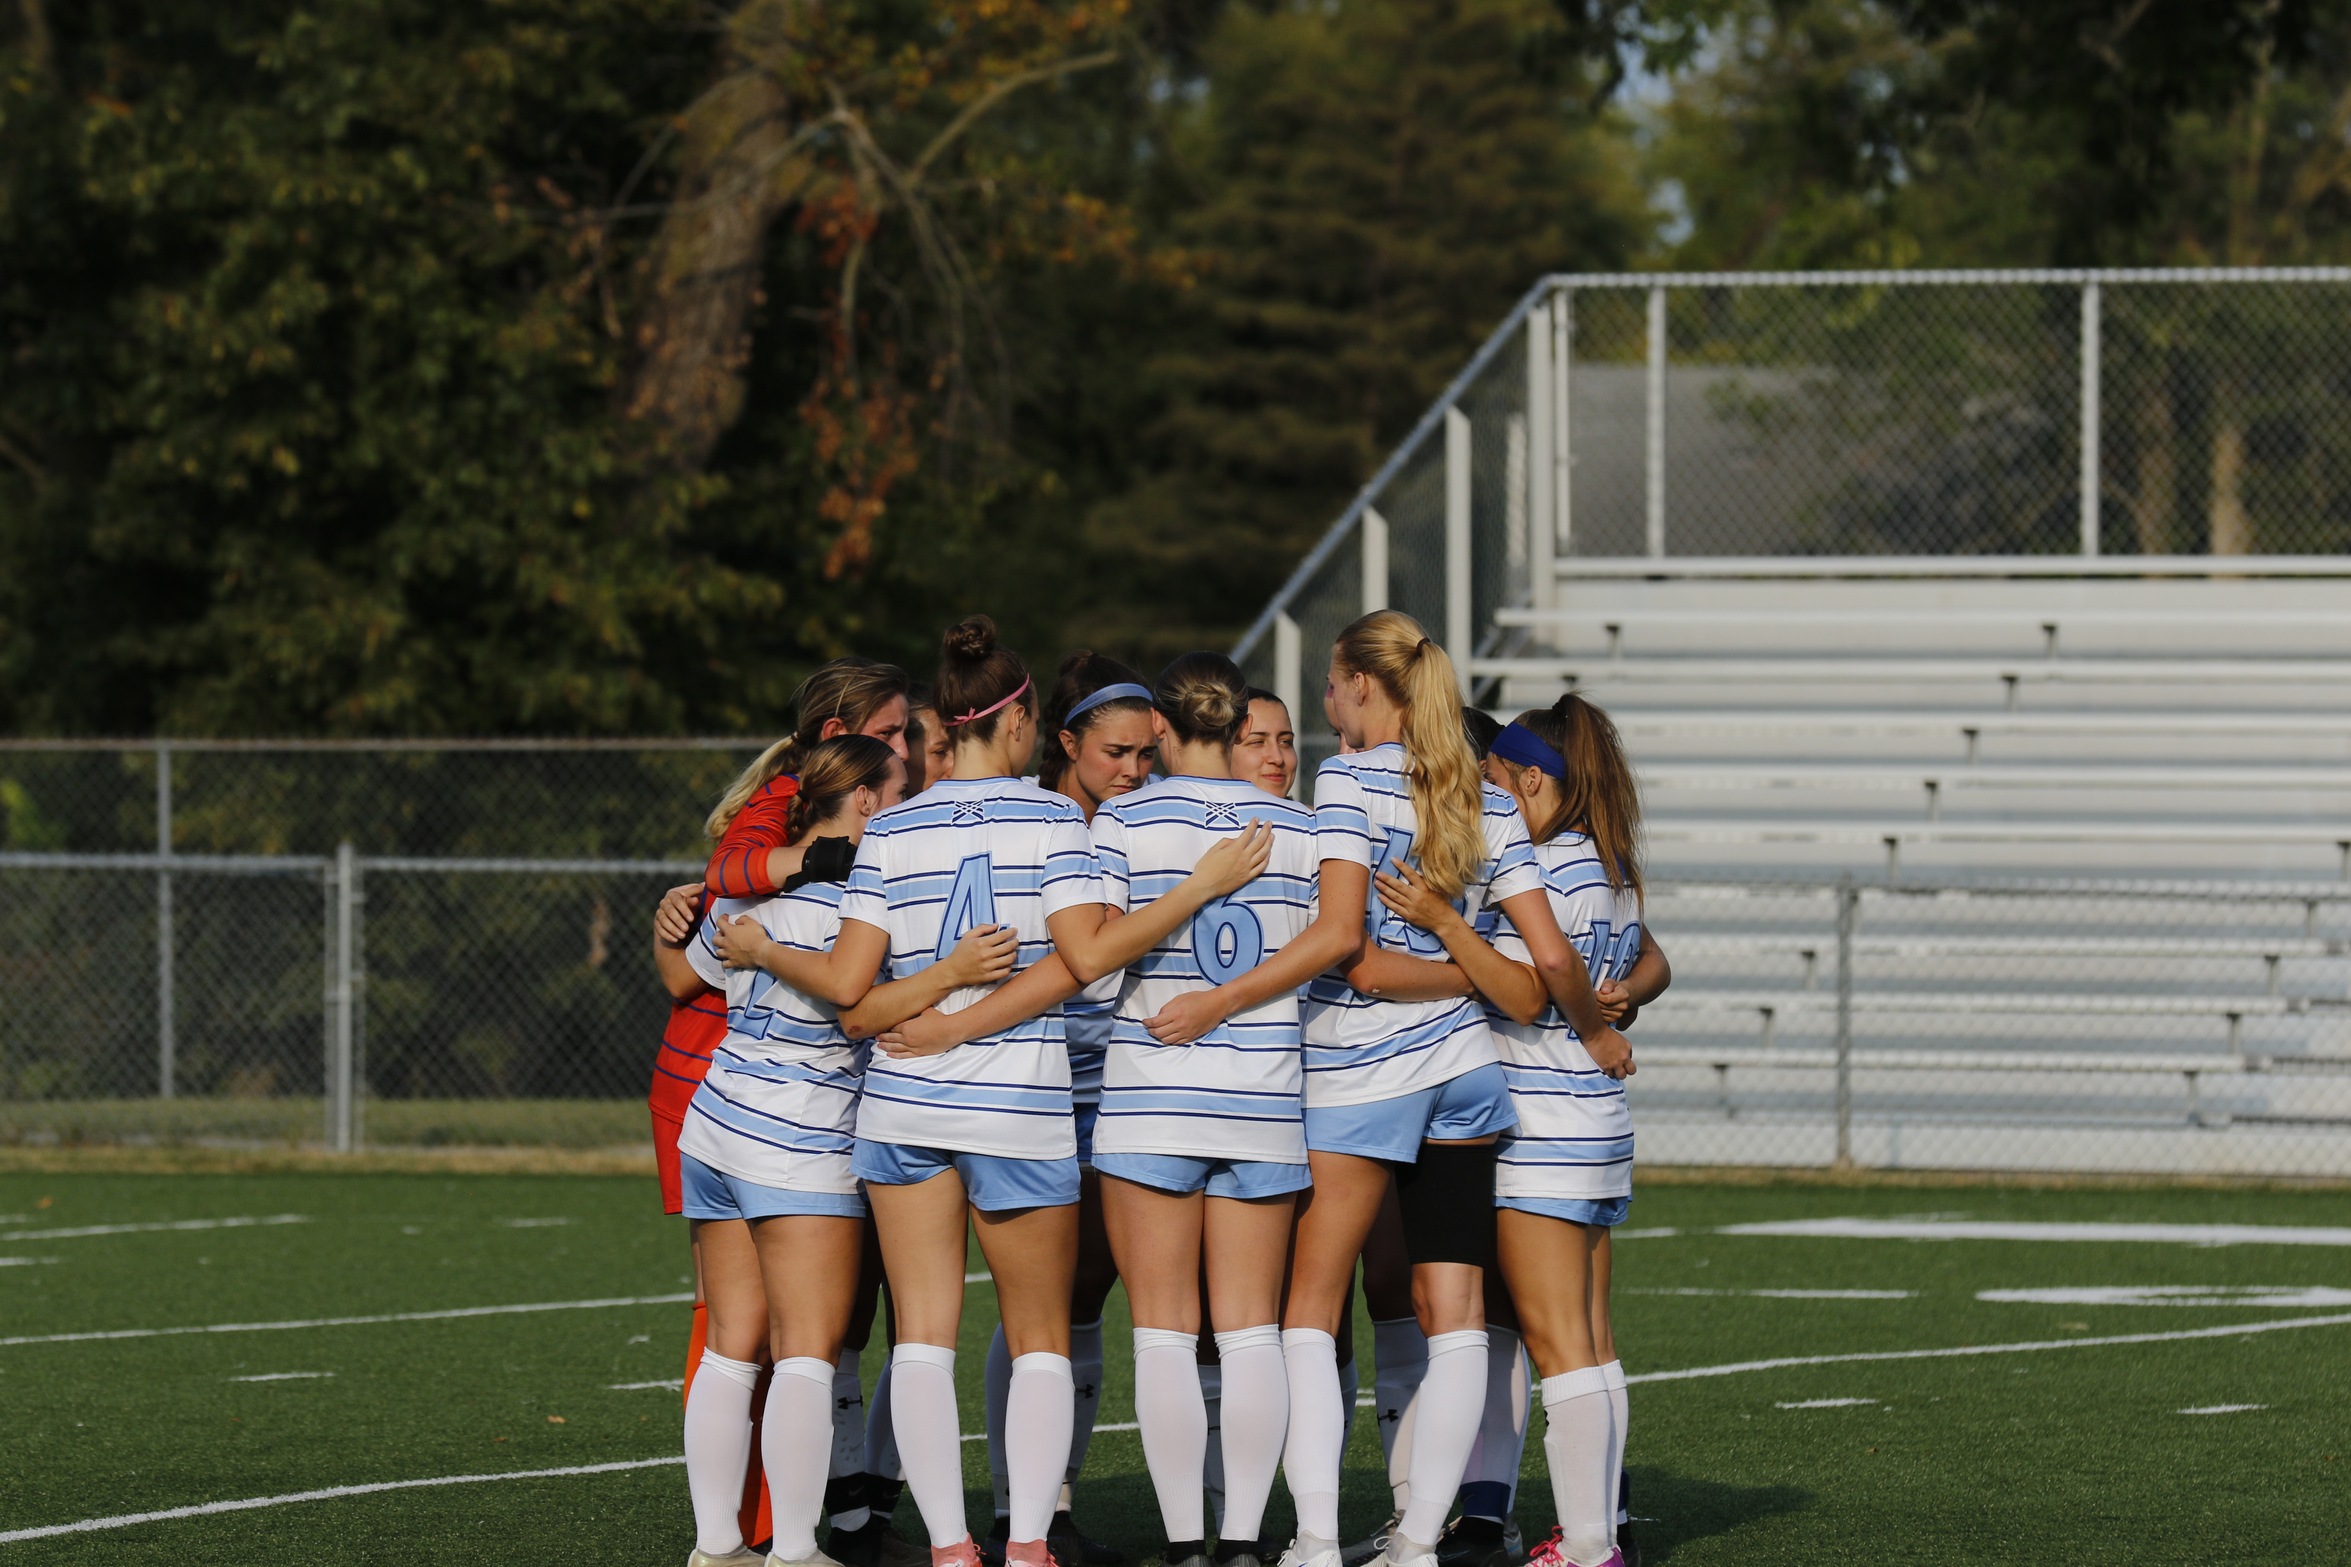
[
  {"x": 1363, "y": 1551},
  {"x": 819, "y": 1559},
  {"x": 1184, "y": 1553},
  {"x": 963, "y": 1553},
  {"x": 1307, "y": 1551},
  {"x": 1480, "y": 1542},
  {"x": 1238, "y": 1553},
  {"x": 1073, "y": 1549},
  {"x": 746, "y": 1557},
  {"x": 1549, "y": 1554},
  {"x": 874, "y": 1543},
  {"x": 1404, "y": 1552}
]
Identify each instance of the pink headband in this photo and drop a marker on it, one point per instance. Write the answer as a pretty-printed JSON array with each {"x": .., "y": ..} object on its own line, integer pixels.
[{"x": 969, "y": 718}]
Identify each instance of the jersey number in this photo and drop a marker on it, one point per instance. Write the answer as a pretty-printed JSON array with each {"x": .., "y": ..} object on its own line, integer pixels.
[
  {"x": 1385, "y": 927},
  {"x": 1609, "y": 953},
  {"x": 971, "y": 901},
  {"x": 1227, "y": 940}
]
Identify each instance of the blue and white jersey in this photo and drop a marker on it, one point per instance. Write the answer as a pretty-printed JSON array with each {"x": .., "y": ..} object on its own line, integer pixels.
[
  {"x": 1236, "y": 1092},
  {"x": 966, "y": 852},
  {"x": 1575, "y": 1134},
  {"x": 1085, "y": 1018},
  {"x": 1360, "y": 1050},
  {"x": 780, "y": 1104}
]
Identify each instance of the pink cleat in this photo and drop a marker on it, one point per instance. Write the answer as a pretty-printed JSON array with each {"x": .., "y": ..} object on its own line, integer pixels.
[
  {"x": 1550, "y": 1554},
  {"x": 963, "y": 1553}
]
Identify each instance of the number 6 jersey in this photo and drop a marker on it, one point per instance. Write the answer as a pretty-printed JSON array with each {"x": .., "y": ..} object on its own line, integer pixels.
[
  {"x": 966, "y": 852},
  {"x": 1234, "y": 1093}
]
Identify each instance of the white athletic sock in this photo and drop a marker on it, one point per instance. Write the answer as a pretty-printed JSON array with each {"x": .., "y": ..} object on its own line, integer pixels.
[
  {"x": 1174, "y": 1421},
  {"x": 1310, "y": 1450},
  {"x": 848, "y": 1456},
  {"x": 1085, "y": 1369},
  {"x": 1452, "y": 1398},
  {"x": 1037, "y": 1411},
  {"x": 1619, "y": 1408},
  {"x": 718, "y": 1448},
  {"x": 794, "y": 1437},
  {"x": 1576, "y": 1440},
  {"x": 1256, "y": 1420},
  {"x": 881, "y": 1433},
  {"x": 1400, "y": 1358},
  {"x": 1350, "y": 1390},
  {"x": 1500, "y": 1449},
  {"x": 998, "y": 1382},
  {"x": 930, "y": 1441},
  {"x": 1212, "y": 1460}
]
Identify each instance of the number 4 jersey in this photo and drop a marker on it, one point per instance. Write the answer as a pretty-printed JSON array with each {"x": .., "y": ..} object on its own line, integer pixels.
[
  {"x": 966, "y": 852},
  {"x": 1235, "y": 1092}
]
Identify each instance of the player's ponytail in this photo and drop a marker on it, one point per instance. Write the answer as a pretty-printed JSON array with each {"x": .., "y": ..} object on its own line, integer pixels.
[
  {"x": 849, "y": 690},
  {"x": 978, "y": 680},
  {"x": 1599, "y": 793},
  {"x": 1203, "y": 696},
  {"x": 1440, "y": 773},
  {"x": 830, "y": 773}
]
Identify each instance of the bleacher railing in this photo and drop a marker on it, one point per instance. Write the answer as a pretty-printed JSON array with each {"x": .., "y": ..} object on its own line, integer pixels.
[{"x": 1999, "y": 423}]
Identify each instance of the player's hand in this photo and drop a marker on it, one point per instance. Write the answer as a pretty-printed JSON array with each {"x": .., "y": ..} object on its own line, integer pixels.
[
  {"x": 1611, "y": 1053},
  {"x": 1237, "y": 861},
  {"x": 1186, "y": 1018},
  {"x": 1408, "y": 896},
  {"x": 741, "y": 941},
  {"x": 927, "y": 1033},
  {"x": 673, "y": 917},
  {"x": 984, "y": 955},
  {"x": 1616, "y": 1003}
]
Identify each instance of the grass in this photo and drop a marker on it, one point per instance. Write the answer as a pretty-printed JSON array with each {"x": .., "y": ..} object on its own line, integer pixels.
[{"x": 2076, "y": 1456}]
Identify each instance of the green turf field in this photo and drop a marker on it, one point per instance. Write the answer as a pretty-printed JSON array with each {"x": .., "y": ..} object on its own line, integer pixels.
[{"x": 2073, "y": 1454}]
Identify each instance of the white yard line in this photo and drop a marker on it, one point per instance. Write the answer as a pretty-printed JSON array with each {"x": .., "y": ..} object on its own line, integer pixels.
[
  {"x": 977, "y": 1278},
  {"x": 2223, "y": 1409},
  {"x": 450, "y": 1315},
  {"x": 1735, "y": 1367},
  {"x": 982, "y": 1436},
  {"x": 329, "y": 1494},
  {"x": 1827, "y": 1403},
  {"x": 667, "y": 1384},
  {"x": 240, "y": 1223},
  {"x": 23, "y": 1262},
  {"x": 1940, "y": 1229},
  {"x": 284, "y": 1376},
  {"x": 2229, "y": 1296},
  {"x": 1787, "y": 1294}
]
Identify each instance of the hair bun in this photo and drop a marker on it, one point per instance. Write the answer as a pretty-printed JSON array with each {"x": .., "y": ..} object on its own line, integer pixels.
[{"x": 971, "y": 640}]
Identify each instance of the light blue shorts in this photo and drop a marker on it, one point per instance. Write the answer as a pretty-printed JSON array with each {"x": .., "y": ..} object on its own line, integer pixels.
[
  {"x": 1475, "y": 1104},
  {"x": 714, "y": 1194},
  {"x": 1087, "y": 1115},
  {"x": 1241, "y": 1179},
  {"x": 1607, "y": 1212},
  {"x": 991, "y": 1182}
]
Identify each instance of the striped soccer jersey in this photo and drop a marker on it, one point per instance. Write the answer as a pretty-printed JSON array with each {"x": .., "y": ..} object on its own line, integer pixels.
[
  {"x": 1360, "y": 1050},
  {"x": 1085, "y": 1020},
  {"x": 1574, "y": 1137},
  {"x": 966, "y": 852},
  {"x": 1235, "y": 1092},
  {"x": 780, "y": 1102}
]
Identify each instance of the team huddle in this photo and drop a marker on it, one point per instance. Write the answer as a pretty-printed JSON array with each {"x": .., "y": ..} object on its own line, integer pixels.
[{"x": 1145, "y": 1018}]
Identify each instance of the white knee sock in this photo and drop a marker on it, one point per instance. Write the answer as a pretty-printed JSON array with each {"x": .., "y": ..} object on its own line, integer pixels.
[
  {"x": 1085, "y": 1369},
  {"x": 718, "y": 1448},
  {"x": 1619, "y": 1407},
  {"x": 848, "y": 1456},
  {"x": 998, "y": 1382},
  {"x": 930, "y": 1441},
  {"x": 1037, "y": 1411},
  {"x": 1350, "y": 1390},
  {"x": 1174, "y": 1418},
  {"x": 881, "y": 1434},
  {"x": 1400, "y": 1358},
  {"x": 1310, "y": 1452},
  {"x": 1500, "y": 1449},
  {"x": 795, "y": 1437},
  {"x": 1452, "y": 1399},
  {"x": 1256, "y": 1421},
  {"x": 1212, "y": 1461},
  {"x": 1576, "y": 1443}
]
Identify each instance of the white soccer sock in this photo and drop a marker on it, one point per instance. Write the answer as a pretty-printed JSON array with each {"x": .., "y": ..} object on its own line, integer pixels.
[
  {"x": 848, "y": 1434},
  {"x": 1619, "y": 1410},
  {"x": 1350, "y": 1391},
  {"x": 1576, "y": 1440},
  {"x": 1174, "y": 1421},
  {"x": 998, "y": 1382},
  {"x": 881, "y": 1433},
  {"x": 1037, "y": 1412},
  {"x": 1310, "y": 1450},
  {"x": 1257, "y": 1418},
  {"x": 930, "y": 1441},
  {"x": 1400, "y": 1358},
  {"x": 1500, "y": 1449},
  {"x": 1452, "y": 1398},
  {"x": 1212, "y": 1460},
  {"x": 794, "y": 1436},
  {"x": 1085, "y": 1369},
  {"x": 718, "y": 1448}
]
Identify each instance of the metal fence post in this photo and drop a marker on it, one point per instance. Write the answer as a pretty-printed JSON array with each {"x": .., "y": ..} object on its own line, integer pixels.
[
  {"x": 1848, "y": 908},
  {"x": 1460, "y": 632},
  {"x": 1656, "y": 468},
  {"x": 1375, "y": 566},
  {"x": 1541, "y": 526},
  {"x": 1562, "y": 459},
  {"x": 1288, "y": 658},
  {"x": 342, "y": 998},
  {"x": 2090, "y": 417},
  {"x": 166, "y": 1032}
]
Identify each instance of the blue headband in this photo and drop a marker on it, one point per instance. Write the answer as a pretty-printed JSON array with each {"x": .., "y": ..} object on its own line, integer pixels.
[
  {"x": 1117, "y": 693},
  {"x": 1517, "y": 743}
]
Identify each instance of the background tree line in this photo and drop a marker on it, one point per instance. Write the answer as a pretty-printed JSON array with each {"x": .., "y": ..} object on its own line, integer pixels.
[{"x": 595, "y": 366}]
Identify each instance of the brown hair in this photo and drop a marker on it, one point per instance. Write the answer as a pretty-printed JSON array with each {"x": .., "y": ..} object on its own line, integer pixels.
[
  {"x": 1440, "y": 772},
  {"x": 1598, "y": 794},
  {"x": 1082, "y": 674},
  {"x": 1203, "y": 696},
  {"x": 830, "y": 773},
  {"x": 849, "y": 689},
  {"x": 975, "y": 675}
]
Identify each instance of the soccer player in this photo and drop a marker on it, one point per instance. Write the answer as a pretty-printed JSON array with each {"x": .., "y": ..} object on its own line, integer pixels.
[
  {"x": 1266, "y": 751},
  {"x": 965, "y": 1114},
  {"x": 778, "y": 1220},
  {"x": 1202, "y": 1145},
  {"x": 930, "y": 754},
  {"x": 1099, "y": 745}
]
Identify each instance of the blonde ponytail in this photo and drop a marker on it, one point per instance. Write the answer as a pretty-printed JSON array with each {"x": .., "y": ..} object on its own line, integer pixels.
[
  {"x": 1441, "y": 774},
  {"x": 776, "y": 759}
]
